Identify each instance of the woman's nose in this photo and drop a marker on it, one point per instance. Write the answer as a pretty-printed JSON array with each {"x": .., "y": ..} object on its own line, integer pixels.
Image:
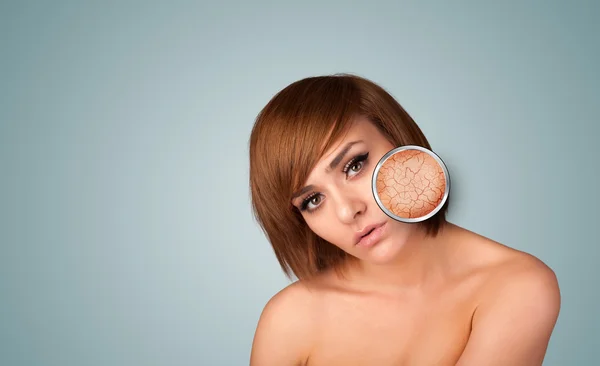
[{"x": 349, "y": 206}]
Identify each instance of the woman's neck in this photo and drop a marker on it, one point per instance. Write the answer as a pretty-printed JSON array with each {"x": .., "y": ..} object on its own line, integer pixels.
[{"x": 424, "y": 262}]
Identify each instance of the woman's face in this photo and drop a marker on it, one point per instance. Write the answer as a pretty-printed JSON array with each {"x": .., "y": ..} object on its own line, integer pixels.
[{"x": 337, "y": 201}]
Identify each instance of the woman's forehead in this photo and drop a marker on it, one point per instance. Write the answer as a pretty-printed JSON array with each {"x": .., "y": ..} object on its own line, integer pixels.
[{"x": 360, "y": 129}]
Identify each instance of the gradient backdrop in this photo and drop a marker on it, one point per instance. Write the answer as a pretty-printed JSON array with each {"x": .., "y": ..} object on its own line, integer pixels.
[{"x": 126, "y": 233}]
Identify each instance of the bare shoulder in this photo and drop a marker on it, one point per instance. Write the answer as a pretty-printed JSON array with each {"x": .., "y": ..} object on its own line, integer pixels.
[
  {"x": 525, "y": 282},
  {"x": 509, "y": 270},
  {"x": 285, "y": 327},
  {"x": 517, "y": 309}
]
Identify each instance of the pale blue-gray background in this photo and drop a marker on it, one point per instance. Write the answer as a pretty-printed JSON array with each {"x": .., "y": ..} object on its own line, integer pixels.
[{"x": 126, "y": 232}]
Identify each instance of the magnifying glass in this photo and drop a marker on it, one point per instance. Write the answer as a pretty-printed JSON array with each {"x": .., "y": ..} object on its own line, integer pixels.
[{"x": 410, "y": 183}]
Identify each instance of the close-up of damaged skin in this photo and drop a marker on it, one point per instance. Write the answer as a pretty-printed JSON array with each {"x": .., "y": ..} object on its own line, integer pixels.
[{"x": 411, "y": 184}]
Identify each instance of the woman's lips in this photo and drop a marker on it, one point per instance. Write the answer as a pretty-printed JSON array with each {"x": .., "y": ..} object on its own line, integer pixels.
[{"x": 373, "y": 237}]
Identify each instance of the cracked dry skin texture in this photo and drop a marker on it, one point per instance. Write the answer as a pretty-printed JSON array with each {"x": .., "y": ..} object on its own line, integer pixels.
[{"x": 411, "y": 183}]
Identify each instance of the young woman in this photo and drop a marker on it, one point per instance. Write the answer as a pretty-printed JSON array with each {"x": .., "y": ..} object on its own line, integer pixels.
[{"x": 428, "y": 293}]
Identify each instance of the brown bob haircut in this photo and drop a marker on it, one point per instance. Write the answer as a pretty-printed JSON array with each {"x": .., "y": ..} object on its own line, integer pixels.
[{"x": 291, "y": 133}]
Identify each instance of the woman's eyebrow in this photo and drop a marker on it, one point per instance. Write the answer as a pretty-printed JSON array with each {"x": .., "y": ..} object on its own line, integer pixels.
[
  {"x": 302, "y": 191},
  {"x": 334, "y": 163}
]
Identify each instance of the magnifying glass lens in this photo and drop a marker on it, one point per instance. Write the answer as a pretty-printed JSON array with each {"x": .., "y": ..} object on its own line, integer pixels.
[{"x": 410, "y": 183}]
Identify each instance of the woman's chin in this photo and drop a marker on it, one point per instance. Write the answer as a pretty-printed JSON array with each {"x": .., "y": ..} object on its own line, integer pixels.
[{"x": 383, "y": 253}]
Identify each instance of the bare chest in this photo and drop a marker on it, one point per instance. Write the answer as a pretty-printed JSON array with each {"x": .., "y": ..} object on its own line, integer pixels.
[{"x": 365, "y": 331}]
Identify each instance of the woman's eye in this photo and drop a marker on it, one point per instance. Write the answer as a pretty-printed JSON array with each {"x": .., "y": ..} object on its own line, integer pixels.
[
  {"x": 356, "y": 164},
  {"x": 314, "y": 200},
  {"x": 356, "y": 167}
]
